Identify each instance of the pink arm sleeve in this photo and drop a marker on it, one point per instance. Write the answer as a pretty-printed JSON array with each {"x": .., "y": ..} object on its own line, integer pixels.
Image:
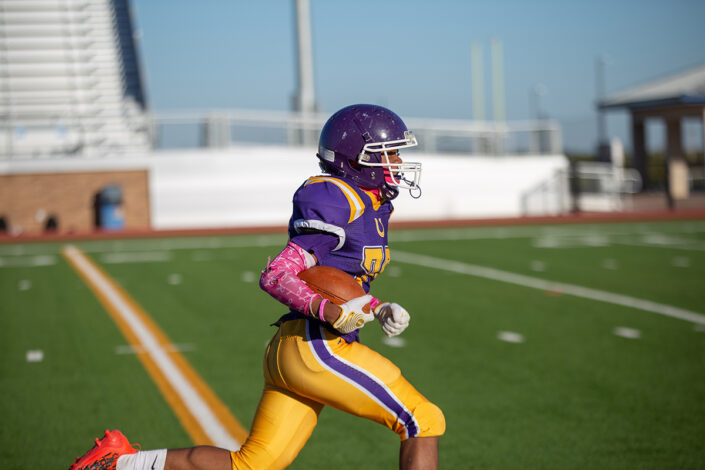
[{"x": 279, "y": 279}]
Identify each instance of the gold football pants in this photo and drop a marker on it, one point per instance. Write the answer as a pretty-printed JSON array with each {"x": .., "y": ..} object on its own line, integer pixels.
[{"x": 307, "y": 367}]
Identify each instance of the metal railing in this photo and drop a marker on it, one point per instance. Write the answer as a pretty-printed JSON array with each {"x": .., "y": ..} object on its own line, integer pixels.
[
  {"x": 604, "y": 186},
  {"x": 589, "y": 186},
  {"x": 549, "y": 197},
  {"x": 605, "y": 178},
  {"x": 224, "y": 128},
  {"x": 220, "y": 129}
]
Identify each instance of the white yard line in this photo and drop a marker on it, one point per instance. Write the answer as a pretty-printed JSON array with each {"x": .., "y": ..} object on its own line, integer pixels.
[
  {"x": 543, "y": 284},
  {"x": 154, "y": 245},
  {"x": 27, "y": 261},
  {"x": 682, "y": 245},
  {"x": 196, "y": 404},
  {"x": 135, "y": 257},
  {"x": 194, "y": 243}
]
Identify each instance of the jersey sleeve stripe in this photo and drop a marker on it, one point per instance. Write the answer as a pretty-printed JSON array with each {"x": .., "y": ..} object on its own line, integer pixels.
[
  {"x": 303, "y": 225},
  {"x": 357, "y": 207}
]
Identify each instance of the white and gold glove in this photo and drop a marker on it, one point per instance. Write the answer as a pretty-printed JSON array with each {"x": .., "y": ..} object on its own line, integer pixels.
[
  {"x": 355, "y": 313},
  {"x": 393, "y": 318}
]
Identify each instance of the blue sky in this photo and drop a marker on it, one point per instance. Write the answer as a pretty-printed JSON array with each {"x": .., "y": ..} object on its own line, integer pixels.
[{"x": 414, "y": 56}]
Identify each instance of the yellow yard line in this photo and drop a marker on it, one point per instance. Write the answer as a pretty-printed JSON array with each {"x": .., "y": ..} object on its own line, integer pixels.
[{"x": 206, "y": 419}]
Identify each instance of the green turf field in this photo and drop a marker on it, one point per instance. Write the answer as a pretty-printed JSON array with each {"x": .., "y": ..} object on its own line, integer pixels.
[{"x": 528, "y": 375}]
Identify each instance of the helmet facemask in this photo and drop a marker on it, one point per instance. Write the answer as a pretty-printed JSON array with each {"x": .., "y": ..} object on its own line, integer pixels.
[{"x": 404, "y": 175}]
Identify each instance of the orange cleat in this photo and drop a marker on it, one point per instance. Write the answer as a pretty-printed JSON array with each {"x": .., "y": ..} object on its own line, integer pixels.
[{"x": 105, "y": 453}]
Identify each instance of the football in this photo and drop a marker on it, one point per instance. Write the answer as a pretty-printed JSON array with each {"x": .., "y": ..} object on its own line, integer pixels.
[{"x": 332, "y": 283}]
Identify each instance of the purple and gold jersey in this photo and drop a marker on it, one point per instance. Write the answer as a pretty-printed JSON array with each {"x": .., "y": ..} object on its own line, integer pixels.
[{"x": 343, "y": 226}]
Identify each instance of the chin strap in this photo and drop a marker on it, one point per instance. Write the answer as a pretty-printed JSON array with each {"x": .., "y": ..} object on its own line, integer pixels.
[{"x": 389, "y": 192}]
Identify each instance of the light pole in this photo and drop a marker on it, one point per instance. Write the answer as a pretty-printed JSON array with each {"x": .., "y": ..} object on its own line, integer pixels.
[
  {"x": 536, "y": 141},
  {"x": 535, "y": 93},
  {"x": 603, "y": 151}
]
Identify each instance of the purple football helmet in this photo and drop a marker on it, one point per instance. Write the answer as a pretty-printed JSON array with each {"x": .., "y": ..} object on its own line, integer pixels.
[{"x": 354, "y": 144}]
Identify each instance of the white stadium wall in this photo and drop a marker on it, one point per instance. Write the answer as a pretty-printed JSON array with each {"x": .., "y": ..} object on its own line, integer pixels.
[
  {"x": 485, "y": 187},
  {"x": 252, "y": 186}
]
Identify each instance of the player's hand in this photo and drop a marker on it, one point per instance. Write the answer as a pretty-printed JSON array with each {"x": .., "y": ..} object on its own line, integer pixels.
[
  {"x": 355, "y": 313},
  {"x": 393, "y": 318}
]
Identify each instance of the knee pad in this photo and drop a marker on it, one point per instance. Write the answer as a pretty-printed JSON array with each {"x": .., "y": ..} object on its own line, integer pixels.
[{"x": 430, "y": 418}]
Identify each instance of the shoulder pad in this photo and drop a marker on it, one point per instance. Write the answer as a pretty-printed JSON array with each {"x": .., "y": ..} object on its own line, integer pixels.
[{"x": 329, "y": 190}]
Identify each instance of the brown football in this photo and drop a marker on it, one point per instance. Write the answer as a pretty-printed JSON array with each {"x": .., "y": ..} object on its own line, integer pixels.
[{"x": 332, "y": 283}]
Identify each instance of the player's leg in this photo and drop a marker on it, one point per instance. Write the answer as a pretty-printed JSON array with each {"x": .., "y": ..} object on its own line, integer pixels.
[
  {"x": 198, "y": 458},
  {"x": 284, "y": 420},
  {"x": 360, "y": 381},
  {"x": 192, "y": 458},
  {"x": 282, "y": 425},
  {"x": 418, "y": 453}
]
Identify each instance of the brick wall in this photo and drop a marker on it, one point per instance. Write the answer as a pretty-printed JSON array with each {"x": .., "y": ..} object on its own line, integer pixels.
[{"x": 26, "y": 200}]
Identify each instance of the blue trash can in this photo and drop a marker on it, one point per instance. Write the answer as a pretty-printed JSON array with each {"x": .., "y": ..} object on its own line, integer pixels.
[{"x": 109, "y": 208}]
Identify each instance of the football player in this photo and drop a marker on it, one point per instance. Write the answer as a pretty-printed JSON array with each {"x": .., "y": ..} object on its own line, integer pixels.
[{"x": 315, "y": 359}]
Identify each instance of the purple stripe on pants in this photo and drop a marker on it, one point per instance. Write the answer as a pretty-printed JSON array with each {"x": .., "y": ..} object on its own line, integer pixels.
[{"x": 364, "y": 381}]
